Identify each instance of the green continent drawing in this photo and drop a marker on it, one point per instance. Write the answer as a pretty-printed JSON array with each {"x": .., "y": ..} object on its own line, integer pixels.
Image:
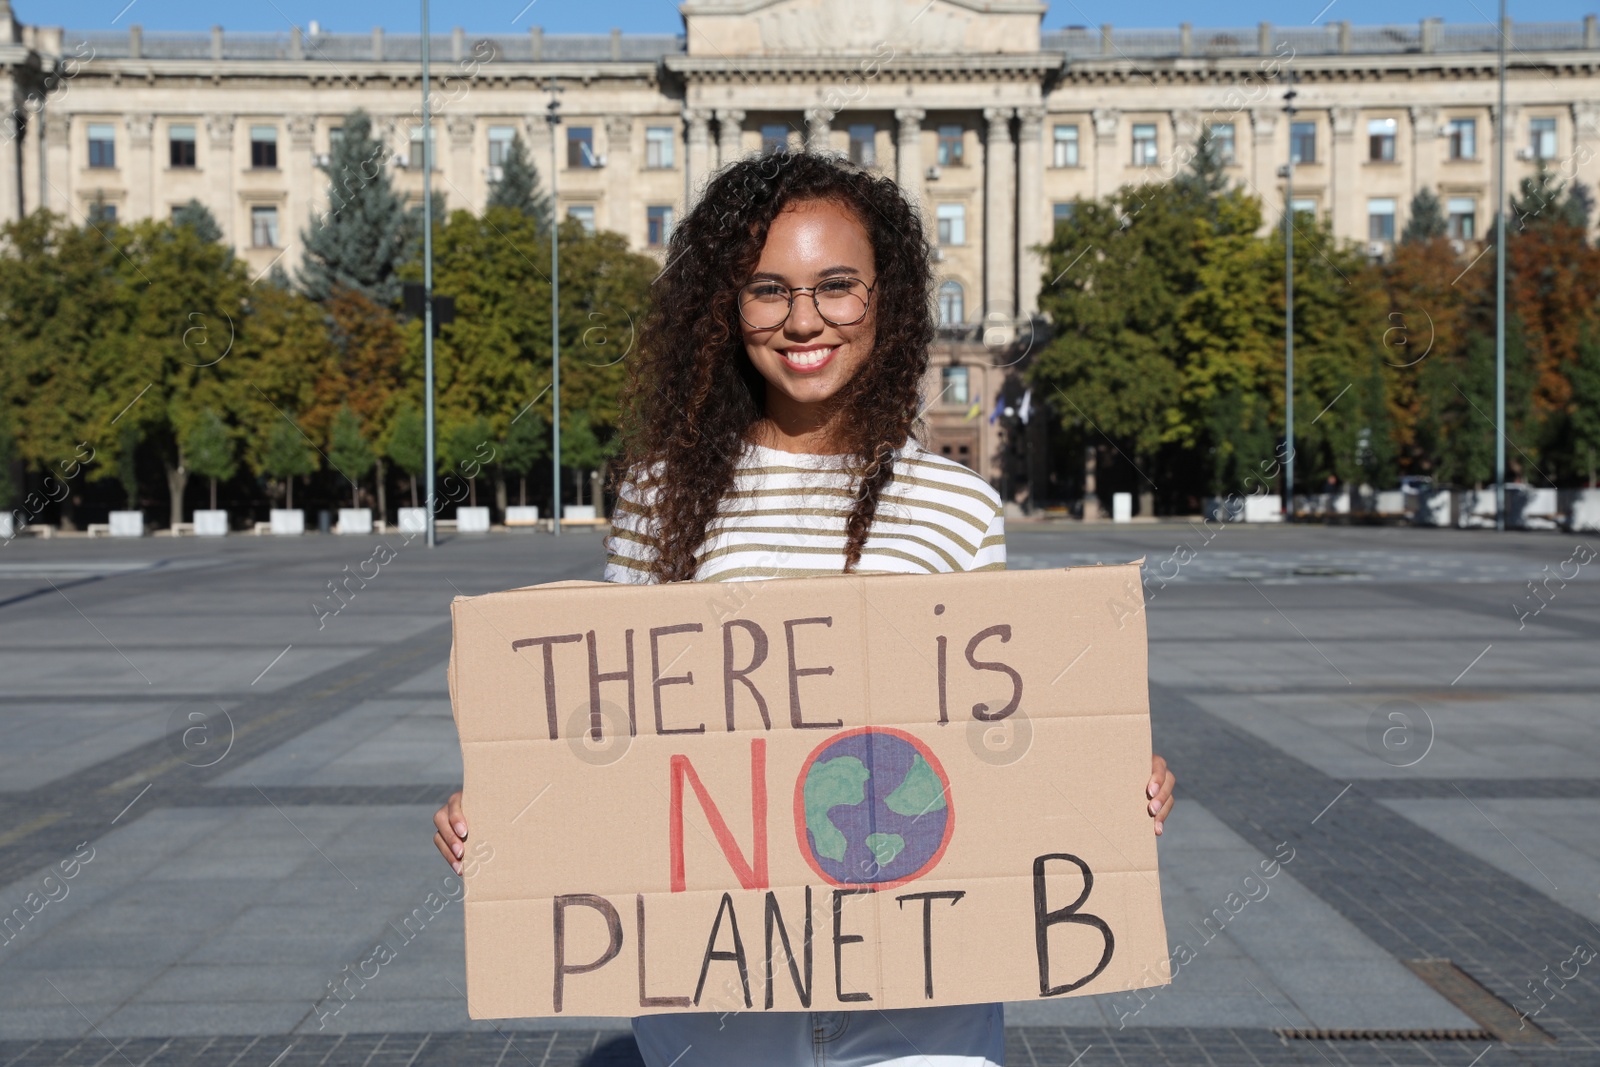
[
  {"x": 920, "y": 792},
  {"x": 885, "y": 847},
  {"x": 831, "y": 784}
]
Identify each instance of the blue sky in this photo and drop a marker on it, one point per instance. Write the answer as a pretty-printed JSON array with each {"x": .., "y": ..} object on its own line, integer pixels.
[{"x": 661, "y": 16}]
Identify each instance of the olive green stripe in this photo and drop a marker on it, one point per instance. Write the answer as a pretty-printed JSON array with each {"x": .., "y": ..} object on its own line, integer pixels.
[
  {"x": 876, "y": 535},
  {"x": 816, "y": 550}
]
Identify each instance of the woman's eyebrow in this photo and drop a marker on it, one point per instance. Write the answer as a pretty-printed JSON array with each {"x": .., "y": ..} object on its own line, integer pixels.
[{"x": 826, "y": 272}]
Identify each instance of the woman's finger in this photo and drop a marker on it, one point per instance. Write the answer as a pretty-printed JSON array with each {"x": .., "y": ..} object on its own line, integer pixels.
[
  {"x": 458, "y": 819},
  {"x": 444, "y": 850}
]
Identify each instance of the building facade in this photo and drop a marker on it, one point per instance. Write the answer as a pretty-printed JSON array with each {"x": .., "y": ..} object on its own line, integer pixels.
[{"x": 994, "y": 125}]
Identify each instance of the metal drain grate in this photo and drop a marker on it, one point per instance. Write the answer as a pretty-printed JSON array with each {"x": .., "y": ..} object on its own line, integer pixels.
[
  {"x": 1384, "y": 1035},
  {"x": 1503, "y": 1022}
]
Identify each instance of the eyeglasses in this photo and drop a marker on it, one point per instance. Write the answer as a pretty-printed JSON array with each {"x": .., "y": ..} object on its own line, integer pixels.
[{"x": 766, "y": 305}]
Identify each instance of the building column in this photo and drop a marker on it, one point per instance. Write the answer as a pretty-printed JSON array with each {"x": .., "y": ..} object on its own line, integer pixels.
[
  {"x": 697, "y": 162},
  {"x": 1030, "y": 206},
  {"x": 818, "y": 128},
  {"x": 625, "y": 217},
  {"x": 908, "y": 152},
  {"x": 55, "y": 182},
  {"x": 1264, "y": 161},
  {"x": 32, "y": 147},
  {"x": 999, "y": 222},
  {"x": 462, "y": 184},
  {"x": 1107, "y": 164},
  {"x": 1185, "y": 132},
  {"x": 729, "y": 135},
  {"x": 219, "y": 176},
  {"x": 11, "y": 158},
  {"x": 1424, "y": 155},
  {"x": 1345, "y": 209},
  {"x": 1586, "y": 142},
  {"x": 300, "y": 179},
  {"x": 138, "y": 168}
]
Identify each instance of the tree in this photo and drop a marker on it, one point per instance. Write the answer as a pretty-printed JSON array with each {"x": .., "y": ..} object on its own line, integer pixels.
[
  {"x": 1584, "y": 414},
  {"x": 518, "y": 187},
  {"x": 1426, "y": 221},
  {"x": 582, "y": 450},
  {"x": 199, "y": 218},
  {"x": 8, "y": 458},
  {"x": 368, "y": 375},
  {"x": 464, "y": 448},
  {"x": 128, "y": 465},
  {"x": 364, "y": 236},
  {"x": 349, "y": 453},
  {"x": 406, "y": 445},
  {"x": 287, "y": 456},
  {"x": 211, "y": 451},
  {"x": 526, "y": 443}
]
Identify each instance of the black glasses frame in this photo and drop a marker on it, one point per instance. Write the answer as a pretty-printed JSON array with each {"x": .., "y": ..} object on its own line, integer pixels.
[{"x": 793, "y": 289}]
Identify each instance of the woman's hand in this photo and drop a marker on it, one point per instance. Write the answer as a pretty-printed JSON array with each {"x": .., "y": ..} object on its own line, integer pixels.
[
  {"x": 451, "y": 834},
  {"x": 1159, "y": 791}
]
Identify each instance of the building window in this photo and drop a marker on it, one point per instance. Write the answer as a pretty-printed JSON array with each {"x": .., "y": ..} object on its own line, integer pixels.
[
  {"x": 180, "y": 146},
  {"x": 102, "y": 212},
  {"x": 1463, "y": 217},
  {"x": 1380, "y": 140},
  {"x": 264, "y": 147},
  {"x": 1065, "y": 147},
  {"x": 955, "y": 382},
  {"x": 774, "y": 138},
  {"x": 658, "y": 226},
  {"x": 500, "y": 138},
  {"x": 951, "y": 146},
  {"x": 335, "y": 138},
  {"x": 1542, "y": 135},
  {"x": 584, "y": 213},
  {"x": 415, "y": 159},
  {"x": 1304, "y": 205},
  {"x": 658, "y": 141},
  {"x": 1380, "y": 219},
  {"x": 102, "y": 144},
  {"x": 1144, "y": 144},
  {"x": 1062, "y": 212},
  {"x": 952, "y": 219},
  {"x": 1221, "y": 136},
  {"x": 580, "y": 147},
  {"x": 1303, "y": 142},
  {"x": 1463, "y": 139},
  {"x": 864, "y": 145},
  {"x": 264, "y": 227},
  {"x": 951, "y": 309}
]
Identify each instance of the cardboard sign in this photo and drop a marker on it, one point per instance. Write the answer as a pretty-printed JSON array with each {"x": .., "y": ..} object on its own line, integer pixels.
[{"x": 880, "y": 791}]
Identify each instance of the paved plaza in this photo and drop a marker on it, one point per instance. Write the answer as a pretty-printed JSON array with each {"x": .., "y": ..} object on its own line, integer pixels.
[{"x": 241, "y": 787}]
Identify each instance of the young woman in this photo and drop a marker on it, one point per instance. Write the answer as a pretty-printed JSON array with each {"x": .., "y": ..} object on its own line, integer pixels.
[{"x": 769, "y": 433}]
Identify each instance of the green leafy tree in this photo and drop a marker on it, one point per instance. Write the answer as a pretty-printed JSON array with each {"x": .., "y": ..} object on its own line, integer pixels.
[
  {"x": 582, "y": 450},
  {"x": 211, "y": 451},
  {"x": 128, "y": 465},
  {"x": 198, "y": 218},
  {"x": 527, "y": 442},
  {"x": 1426, "y": 221},
  {"x": 464, "y": 449},
  {"x": 364, "y": 236},
  {"x": 518, "y": 187},
  {"x": 8, "y": 459},
  {"x": 1584, "y": 373},
  {"x": 288, "y": 456},
  {"x": 407, "y": 445},
  {"x": 349, "y": 453}
]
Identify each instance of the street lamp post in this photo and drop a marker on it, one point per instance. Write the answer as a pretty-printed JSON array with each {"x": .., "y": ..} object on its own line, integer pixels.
[
  {"x": 1288, "y": 310},
  {"x": 1500, "y": 289},
  {"x": 427, "y": 272},
  {"x": 553, "y": 117}
]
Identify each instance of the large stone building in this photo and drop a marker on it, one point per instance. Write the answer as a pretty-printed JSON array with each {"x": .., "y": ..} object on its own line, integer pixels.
[{"x": 993, "y": 124}]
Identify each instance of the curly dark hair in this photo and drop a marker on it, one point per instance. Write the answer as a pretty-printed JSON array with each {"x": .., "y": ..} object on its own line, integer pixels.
[{"x": 693, "y": 394}]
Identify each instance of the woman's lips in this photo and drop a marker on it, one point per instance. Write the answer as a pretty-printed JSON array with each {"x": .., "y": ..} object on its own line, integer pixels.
[{"x": 808, "y": 361}]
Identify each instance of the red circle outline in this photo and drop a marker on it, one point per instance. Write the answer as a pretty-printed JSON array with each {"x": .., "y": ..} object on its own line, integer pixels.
[{"x": 800, "y": 808}]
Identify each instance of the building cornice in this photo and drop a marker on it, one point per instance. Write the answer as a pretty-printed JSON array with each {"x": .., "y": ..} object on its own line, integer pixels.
[
  {"x": 791, "y": 68},
  {"x": 1331, "y": 68}
]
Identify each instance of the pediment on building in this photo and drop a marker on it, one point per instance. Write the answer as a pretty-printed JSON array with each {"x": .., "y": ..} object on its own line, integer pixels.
[{"x": 879, "y": 28}]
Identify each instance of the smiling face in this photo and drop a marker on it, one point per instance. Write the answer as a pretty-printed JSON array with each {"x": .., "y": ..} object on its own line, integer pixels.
[{"x": 806, "y": 361}]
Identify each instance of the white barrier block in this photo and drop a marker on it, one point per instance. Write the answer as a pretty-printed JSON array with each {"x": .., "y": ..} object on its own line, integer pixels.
[
  {"x": 1121, "y": 507},
  {"x": 211, "y": 523},
  {"x": 287, "y": 522},
  {"x": 127, "y": 524},
  {"x": 355, "y": 521},
  {"x": 472, "y": 520}
]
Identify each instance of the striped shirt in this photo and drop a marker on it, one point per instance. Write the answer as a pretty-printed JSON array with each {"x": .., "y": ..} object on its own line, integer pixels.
[{"x": 785, "y": 515}]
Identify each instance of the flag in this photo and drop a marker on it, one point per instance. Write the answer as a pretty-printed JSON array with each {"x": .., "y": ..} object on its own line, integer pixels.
[
  {"x": 1026, "y": 407},
  {"x": 973, "y": 411},
  {"x": 999, "y": 406}
]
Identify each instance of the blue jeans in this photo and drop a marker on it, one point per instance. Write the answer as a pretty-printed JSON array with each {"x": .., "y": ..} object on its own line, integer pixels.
[{"x": 963, "y": 1035}]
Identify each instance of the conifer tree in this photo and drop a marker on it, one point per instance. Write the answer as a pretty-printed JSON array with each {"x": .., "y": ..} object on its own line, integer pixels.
[
  {"x": 366, "y": 232},
  {"x": 1427, "y": 220},
  {"x": 518, "y": 187}
]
